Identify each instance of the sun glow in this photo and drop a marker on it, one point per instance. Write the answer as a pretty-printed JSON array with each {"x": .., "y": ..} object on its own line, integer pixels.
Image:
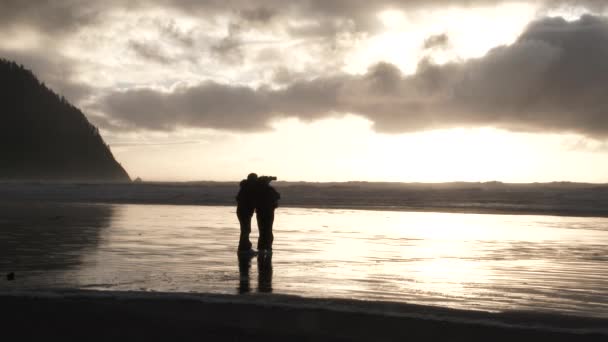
[
  {"x": 401, "y": 42},
  {"x": 345, "y": 149}
]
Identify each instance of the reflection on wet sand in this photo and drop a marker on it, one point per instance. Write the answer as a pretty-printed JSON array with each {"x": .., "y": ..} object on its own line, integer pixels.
[
  {"x": 244, "y": 270},
  {"x": 264, "y": 263},
  {"x": 48, "y": 236},
  {"x": 265, "y": 273},
  {"x": 468, "y": 261}
]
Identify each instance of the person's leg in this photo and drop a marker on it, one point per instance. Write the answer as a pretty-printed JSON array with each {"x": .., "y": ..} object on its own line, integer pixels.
[
  {"x": 269, "y": 234},
  {"x": 244, "y": 216},
  {"x": 265, "y": 218},
  {"x": 260, "y": 219}
]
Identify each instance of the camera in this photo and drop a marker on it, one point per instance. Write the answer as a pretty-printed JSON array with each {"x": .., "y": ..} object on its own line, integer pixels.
[{"x": 266, "y": 179}]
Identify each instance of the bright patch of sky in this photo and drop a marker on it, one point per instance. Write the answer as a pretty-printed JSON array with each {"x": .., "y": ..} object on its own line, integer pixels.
[
  {"x": 343, "y": 149},
  {"x": 471, "y": 34}
]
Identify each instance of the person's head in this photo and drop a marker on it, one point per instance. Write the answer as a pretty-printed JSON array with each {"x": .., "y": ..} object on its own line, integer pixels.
[{"x": 252, "y": 177}]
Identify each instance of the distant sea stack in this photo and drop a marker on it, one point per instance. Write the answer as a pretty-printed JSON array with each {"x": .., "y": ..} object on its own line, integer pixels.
[{"x": 43, "y": 137}]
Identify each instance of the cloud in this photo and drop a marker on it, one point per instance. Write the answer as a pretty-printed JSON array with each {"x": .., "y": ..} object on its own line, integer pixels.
[
  {"x": 553, "y": 78},
  {"x": 438, "y": 41},
  {"x": 585, "y": 145},
  {"x": 172, "y": 32},
  {"x": 50, "y": 16},
  {"x": 550, "y": 79},
  {"x": 64, "y": 16},
  {"x": 207, "y": 105},
  {"x": 333, "y": 25},
  {"x": 165, "y": 42},
  {"x": 258, "y": 15},
  {"x": 149, "y": 51},
  {"x": 592, "y": 5},
  {"x": 228, "y": 50}
]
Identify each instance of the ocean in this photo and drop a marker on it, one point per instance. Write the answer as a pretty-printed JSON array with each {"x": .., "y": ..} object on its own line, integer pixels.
[{"x": 484, "y": 262}]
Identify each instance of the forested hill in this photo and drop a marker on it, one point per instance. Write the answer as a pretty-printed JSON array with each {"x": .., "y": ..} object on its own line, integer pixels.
[{"x": 43, "y": 137}]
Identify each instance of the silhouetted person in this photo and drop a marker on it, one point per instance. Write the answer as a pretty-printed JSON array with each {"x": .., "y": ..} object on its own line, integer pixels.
[
  {"x": 246, "y": 204},
  {"x": 267, "y": 200}
]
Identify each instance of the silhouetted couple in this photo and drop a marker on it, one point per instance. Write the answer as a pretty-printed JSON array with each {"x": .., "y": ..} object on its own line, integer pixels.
[{"x": 256, "y": 195}]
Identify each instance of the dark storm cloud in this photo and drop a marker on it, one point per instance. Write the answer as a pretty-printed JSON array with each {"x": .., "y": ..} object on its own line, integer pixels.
[{"x": 552, "y": 79}]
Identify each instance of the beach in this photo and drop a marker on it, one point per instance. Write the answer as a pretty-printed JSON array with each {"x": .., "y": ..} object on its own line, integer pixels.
[
  {"x": 550, "y": 264},
  {"x": 103, "y": 271},
  {"x": 102, "y": 316}
]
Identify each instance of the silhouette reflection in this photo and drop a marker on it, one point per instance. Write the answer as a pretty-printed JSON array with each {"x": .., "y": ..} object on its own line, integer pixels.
[
  {"x": 264, "y": 273},
  {"x": 244, "y": 268},
  {"x": 47, "y": 236}
]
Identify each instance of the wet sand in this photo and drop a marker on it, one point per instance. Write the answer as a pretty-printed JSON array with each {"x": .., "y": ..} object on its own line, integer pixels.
[
  {"x": 470, "y": 262},
  {"x": 102, "y": 316},
  {"x": 157, "y": 265}
]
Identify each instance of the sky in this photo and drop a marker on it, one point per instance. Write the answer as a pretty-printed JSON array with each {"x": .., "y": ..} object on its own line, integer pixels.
[{"x": 330, "y": 90}]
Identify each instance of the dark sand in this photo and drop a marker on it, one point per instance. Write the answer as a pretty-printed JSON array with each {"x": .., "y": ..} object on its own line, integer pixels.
[{"x": 104, "y": 316}]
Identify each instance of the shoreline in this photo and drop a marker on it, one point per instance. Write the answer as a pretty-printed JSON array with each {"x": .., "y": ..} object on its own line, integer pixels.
[
  {"x": 428, "y": 209},
  {"x": 100, "y": 315},
  {"x": 545, "y": 199}
]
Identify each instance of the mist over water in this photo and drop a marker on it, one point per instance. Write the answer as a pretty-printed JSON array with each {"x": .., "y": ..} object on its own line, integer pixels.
[{"x": 470, "y": 261}]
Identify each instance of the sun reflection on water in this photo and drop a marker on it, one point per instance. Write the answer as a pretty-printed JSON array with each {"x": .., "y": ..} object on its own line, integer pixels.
[{"x": 487, "y": 262}]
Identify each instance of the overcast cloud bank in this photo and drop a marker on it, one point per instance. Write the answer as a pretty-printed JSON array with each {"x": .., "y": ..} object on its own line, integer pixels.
[{"x": 552, "y": 79}]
